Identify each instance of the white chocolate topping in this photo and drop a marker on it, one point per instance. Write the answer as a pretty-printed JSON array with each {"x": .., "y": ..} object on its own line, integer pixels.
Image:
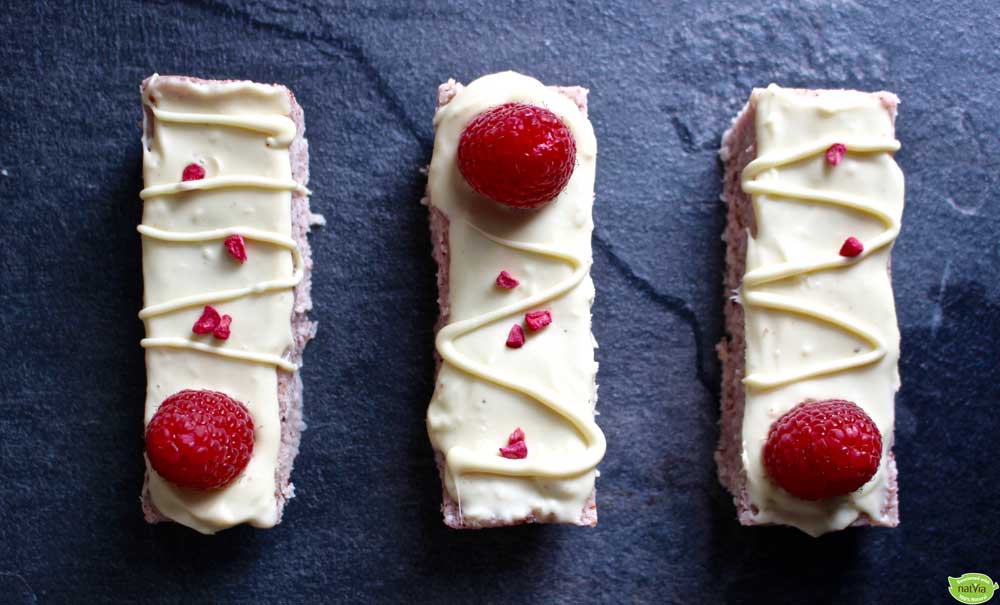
[
  {"x": 485, "y": 390},
  {"x": 818, "y": 325},
  {"x": 239, "y": 132}
]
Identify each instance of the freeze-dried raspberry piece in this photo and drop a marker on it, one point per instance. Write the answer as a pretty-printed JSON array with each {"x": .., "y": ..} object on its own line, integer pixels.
[
  {"x": 852, "y": 247},
  {"x": 506, "y": 281},
  {"x": 208, "y": 321},
  {"x": 222, "y": 330},
  {"x": 517, "y": 435},
  {"x": 193, "y": 172},
  {"x": 237, "y": 247},
  {"x": 515, "y": 340},
  {"x": 835, "y": 153},
  {"x": 515, "y": 451},
  {"x": 536, "y": 320}
]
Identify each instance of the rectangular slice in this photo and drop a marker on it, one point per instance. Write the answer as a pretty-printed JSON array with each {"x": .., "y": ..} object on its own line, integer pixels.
[
  {"x": 485, "y": 390},
  {"x": 803, "y": 322},
  {"x": 224, "y": 158}
]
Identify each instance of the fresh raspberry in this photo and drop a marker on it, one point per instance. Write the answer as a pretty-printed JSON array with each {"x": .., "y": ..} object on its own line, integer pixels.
[
  {"x": 536, "y": 320},
  {"x": 200, "y": 439},
  {"x": 835, "y": 153},
  {"x": 222, "y": 330},
  {"x": 208, "y": 321},
  {"x": 517, "y": 154},
  {"x": 237, "y": 247},
  {"x": 515, "y": 340},
  {"x": 506, "y": 281},
  {"x": 193, "y": 172},
  {"x": 852, "y": 247},
  {"x": 516, "y": 447},
  {"x": 823, "y": 449}
]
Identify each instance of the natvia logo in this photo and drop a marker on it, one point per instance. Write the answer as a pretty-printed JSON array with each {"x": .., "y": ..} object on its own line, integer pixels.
[{"x": 972, "y": 588}]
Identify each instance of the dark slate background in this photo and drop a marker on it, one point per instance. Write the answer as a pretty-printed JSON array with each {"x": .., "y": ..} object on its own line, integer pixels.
[{"x": 665, "y": 80}]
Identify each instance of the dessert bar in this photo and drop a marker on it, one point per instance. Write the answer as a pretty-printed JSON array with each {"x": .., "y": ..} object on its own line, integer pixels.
[
  {"x": 226, "y": 271},
  {"x": 510, "y": 193},
  {"x": 810, "y": 354}
]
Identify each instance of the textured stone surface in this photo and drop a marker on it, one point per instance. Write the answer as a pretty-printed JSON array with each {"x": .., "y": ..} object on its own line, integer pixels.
[{"x": 665, "y": 80}]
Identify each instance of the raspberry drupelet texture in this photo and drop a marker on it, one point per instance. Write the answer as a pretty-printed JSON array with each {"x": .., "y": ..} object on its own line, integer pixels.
[
  {"x": 200, "y": 439},
  {"x": 517, "y": 154},
  {"x": 823, "y": 449}
]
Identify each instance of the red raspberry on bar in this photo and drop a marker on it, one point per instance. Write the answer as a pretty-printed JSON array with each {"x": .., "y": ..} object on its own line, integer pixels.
[
  {"x": 536, "y": 320},
  {"x": 222, "y": 330},
  {"x": 516, "y": 448},
  {"x": 517, "y": 154},
  {"x": 236, "y": 247},
  {"x": 852, "y": 247},
  {"x": 835, "y": 153},
  {"x": 208, "y": 321},
  {"x": 506, "y": 281},
  {"x": 515, "y": 339},
  {"x": 823, "y": 449},
  {"x": 517, "y": 435},
  {"x": 193, "y": 172},
  {"x": 200, "y": 440}
]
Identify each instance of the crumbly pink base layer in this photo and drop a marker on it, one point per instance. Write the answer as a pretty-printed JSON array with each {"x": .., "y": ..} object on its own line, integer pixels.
[
  {"x": 439, "y": 238},
  {"x": 303, "y": 330},
  {"x": 739, "y": 148}
]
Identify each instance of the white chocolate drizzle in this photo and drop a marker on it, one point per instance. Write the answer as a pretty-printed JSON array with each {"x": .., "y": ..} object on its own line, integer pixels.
[
  {"x": 463, "y": 460},
  {"x": 224, "y": 295},
  {"x": 223, "y": 182},
  {"x": 768, "y": 274},
  {"x": 281, "y": 131}
]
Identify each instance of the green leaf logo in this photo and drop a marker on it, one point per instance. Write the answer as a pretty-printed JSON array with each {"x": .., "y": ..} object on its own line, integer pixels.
[{"x": 972, "y": 588}]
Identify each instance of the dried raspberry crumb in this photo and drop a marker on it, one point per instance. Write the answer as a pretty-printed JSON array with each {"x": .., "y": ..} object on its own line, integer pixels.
[
  {"x": 515, "y": 340},
  {"x": 517, "y": 435},
  {"x": 536, "y": 320},
  {"x": 236, "y": 247},
  {"x": 835, "y": 153},
  {"x": 222, "y": 330},
  {"x": 208, "y": 321},
  {"x": 515, "y": 451},
  {"x": 200, "y": 439},
  {"x": 852, "y": 247},
  {"x": 193, "y": 172},
  {"x": 823, "y": 449},
  {"x": 506, "y": 281}
]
